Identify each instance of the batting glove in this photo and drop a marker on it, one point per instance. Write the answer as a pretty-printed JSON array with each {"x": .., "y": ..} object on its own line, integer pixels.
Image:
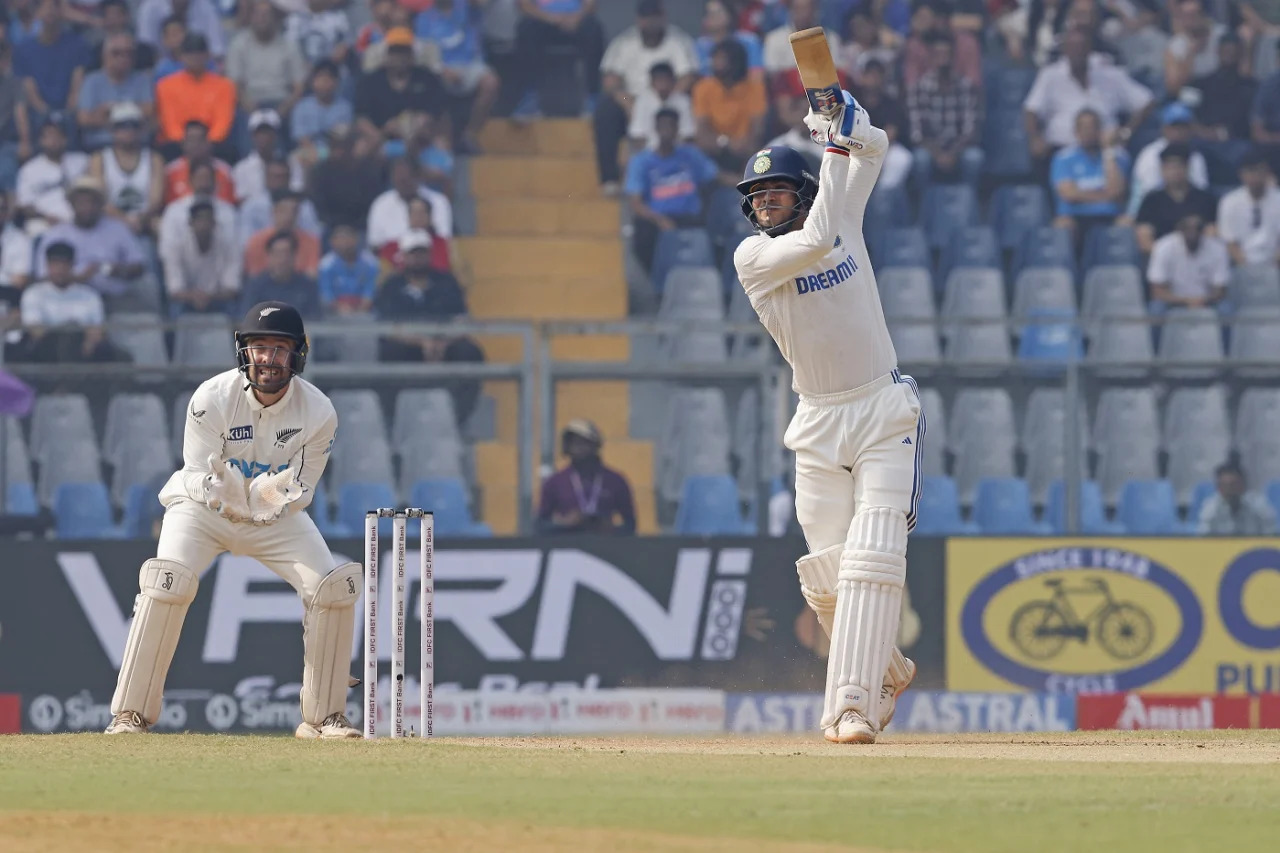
[
  {"x": 224, "y": 489},
  {"x": 846, "y": 130}
]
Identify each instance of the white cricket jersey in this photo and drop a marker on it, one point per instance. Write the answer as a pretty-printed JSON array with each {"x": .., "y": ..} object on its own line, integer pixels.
[
  {"x": 814, "y": 289},
  {"x": 226, "y": 420}
]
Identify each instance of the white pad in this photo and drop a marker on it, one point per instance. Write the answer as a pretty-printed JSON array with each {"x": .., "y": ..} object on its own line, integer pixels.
[
  {"x": 167, "y": 590},
  {"x": 818, "y": 575},
  {"x": 328, "y": 626},
  {"x": 271, "y": 494},
  {"x": 873, "y": 569}
]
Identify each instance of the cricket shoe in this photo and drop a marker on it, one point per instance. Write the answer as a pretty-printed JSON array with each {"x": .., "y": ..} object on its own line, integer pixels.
[
  {"x": 850, "y": 727},
  {"x": 127, "y": 723},
  {"x": 891, "y": 690},
  {"x": 336, "y": 726}
]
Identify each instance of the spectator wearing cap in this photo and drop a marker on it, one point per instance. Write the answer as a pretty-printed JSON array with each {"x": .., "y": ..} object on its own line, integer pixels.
[
  {"x": 548, "y": 26},
  {"x": 626, "y": 66},
  {"x": 1193, "y": 50},
  {"x": 176, "y": 215},
  {"x": 267, "y": 68},
  {"x": 195, "y": 94},
  {"x": 1088, "y": 178},
  {"x": 249, "y": 174},
  {"x": 1175, "y": 121},
  {"x": 284, "y": 220},
  {"x": 51, "y": 64},
  {"x": 199, "y": 17},
  {"x": 43, "y": 180},
  {"x": 108, "y": 257},
  {"x": 718, "y": 25},
  {"x": 196, "y": 148},
  {"x": 730, "y": 107},
  {"x": 585, "y": 496},
  {"x": 255, "y": 213},
  {"x": 1249, "y": 215},
  {"x": 944, "y": 112},
  {"x": 1233, "y": 509},
  {"x": 117, "y": 82},
  {"x": 1078, "y": 81},
  {"x": 665, "y": 186},
  {"x": 422, "y": 294},
  {"x": 391, "y": 253},
  {"x": 393, "y": 100},
  {"x": 281, "y": 281},
  {"x": 61, "y": 316},
  {"x": 15, "y": 131},
  {"x": 389, "y": 214},
  {"x": 322, "y": 30},
  {"x": 454, "y": 25},
  {"x": 1176, "y": 197},
  {"x": 371, "y": 43},
  {"x": 321, "y": 109},
  {"x": 343, "y": 185},
  {"x": 131, "y": 173},
  {"x": 802, "y": 15},
  {"x": 348, "y": 274},
  {"x": 660, "y": 95},
  {"x": 202, "y": 269},
  {"x": 1188, "y": 268}
]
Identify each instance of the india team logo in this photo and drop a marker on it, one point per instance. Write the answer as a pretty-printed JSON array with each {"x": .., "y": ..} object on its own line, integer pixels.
[{"x": 763, "y": 163}]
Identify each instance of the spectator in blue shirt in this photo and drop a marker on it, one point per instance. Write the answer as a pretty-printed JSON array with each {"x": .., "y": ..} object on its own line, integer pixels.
[
  {"x": 454, "y": 25},
  {"x": 1088, "y": 178},
  {"x": 322, "y": 108},
  {"x": 665, "y": 186},
  {"x": 348, "y": 275},
  {"x": 169, "y": 61},
  {"x": 52, "y": 63},
  {"x": 115, "y": 83},
  {"x": 717, "y": 25}
]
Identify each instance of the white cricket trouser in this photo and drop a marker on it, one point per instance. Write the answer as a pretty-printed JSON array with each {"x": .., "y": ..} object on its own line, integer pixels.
[
  {"x": 192, "y": 534},
  {"x": 853, "y": 449}
]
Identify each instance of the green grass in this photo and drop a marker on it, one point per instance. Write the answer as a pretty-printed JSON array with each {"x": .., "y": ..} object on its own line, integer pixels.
[{"x": 1208, "y": 791}]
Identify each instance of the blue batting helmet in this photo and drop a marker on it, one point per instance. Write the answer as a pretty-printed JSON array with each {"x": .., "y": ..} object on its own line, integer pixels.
[{"x": 779, "y": 162}]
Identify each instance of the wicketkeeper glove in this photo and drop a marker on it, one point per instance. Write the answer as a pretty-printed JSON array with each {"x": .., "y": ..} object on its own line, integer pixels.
[
  {"x": 271, "y": 494},
  {"x": 224, "y": 489}
]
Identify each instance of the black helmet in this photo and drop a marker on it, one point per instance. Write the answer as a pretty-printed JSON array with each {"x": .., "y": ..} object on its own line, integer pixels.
[
  {"x": 779, "y": 162},
  {"x": 277, "y": 320}
]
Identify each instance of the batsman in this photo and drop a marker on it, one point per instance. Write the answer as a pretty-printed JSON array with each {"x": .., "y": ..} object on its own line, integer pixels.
[
  {"x": 857, "y": 432},
  {"x": 256, "y": 441}
]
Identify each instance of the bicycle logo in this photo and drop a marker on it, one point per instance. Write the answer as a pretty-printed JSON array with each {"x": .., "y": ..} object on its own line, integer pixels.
[{"x": 1041, "y": 629}]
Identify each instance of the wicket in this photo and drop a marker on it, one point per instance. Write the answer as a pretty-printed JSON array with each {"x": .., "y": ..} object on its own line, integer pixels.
[{"x": 399, "y": 618}]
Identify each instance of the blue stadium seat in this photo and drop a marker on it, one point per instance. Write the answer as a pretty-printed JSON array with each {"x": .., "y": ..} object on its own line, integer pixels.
[
  {"x": 83, "y": 511},
  {"x": 902, "y": 247},
  {"x": 709, "y": 507},
  {"x": 1050, "y": 337},
  {"x": 1201, "y": 493},
  {"x": 1045, "y": 247},
  {"x": 974, "y": 246},
  {"x": 1006, "y": 145},
  {"x": 939, "y": 511},
  {"x": 141, "y": 511},
  {"x": 1007, "y": 87},
  {"x": 1111, "y": 245},
  {"x": 683, "y": 247},
  {"x": 886, "y": 209},
  {"x": 947, "y": 208},
  {"x": 1092, "y": 517},
  {"x": 322, "y": 514},
  {"x": 20, "y": 499},
  {"x": 1149, "y": 508},
  {"x": 1015, "y": 210},
  {"x": 1002, "y": 507},
  {"x": 724, "y": 213},
  {"x": 1273, "y": 495},
  {"x": 355, "y": 498},
  {"x": 447, "y": 499}
]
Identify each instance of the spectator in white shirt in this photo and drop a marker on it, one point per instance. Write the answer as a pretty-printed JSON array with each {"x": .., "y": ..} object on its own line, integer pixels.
[
  {"x": 1234, "y": 510},
  {"x": 43, "y": 180},
  {"x": 1175, "y": 121},
  {"x": 249, "y": 175},
  {"x": 255, "y": 213},
  {"x": 1188, "y": 268},
  {"x": 131, "y": 172},
  {"x": 1193, "y": 51},
  {"x": 202, "y": 267},
  {"x": 1081, "y": 80},
  {"x": 626, "y": 66},
  {"x": 1249, "y": 215},
  {"x": 777, "y": 44},
  {"x": 660, "y": 95},
  {"x": 15, "y": 254},
  {"x": 177, "y": 215},
  {"x": 50, "y": 306},
  {"x": 389, "y": 215}
]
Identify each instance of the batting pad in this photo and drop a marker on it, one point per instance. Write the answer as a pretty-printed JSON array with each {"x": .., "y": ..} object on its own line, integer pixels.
[
  {"x": 873, "y": 569},
  {"x": 328, "y": 627},
  {"x": 818, "y": 575},
  {"x": 167, "y": 589}
]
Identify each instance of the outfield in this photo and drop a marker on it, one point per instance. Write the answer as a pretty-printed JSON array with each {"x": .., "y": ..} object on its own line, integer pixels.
[{"x": 1106, "y": 791}]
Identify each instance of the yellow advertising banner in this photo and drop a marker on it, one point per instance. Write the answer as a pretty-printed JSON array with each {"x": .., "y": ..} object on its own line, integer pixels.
[{"x": 1107, "y": 615}]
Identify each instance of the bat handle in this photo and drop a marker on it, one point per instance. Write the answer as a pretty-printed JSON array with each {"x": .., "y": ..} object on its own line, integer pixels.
[{"x": 826, "y": 100}]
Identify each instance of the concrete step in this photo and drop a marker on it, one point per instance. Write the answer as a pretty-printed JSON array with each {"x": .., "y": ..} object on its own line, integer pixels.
[
  {"x": 562, "y": 178},
  {"x": 551, "y": 217},
  {"x": 511, "y": 257},
  {"x": 543, "y": 297},
  {"x": 562, "y": 137}
]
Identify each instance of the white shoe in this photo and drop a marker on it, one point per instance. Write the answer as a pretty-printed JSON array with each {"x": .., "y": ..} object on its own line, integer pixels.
[
  {"x": 127, "y": 723},
  {"x": 336, "y": 726},
  {"x": 889, "y": 693},
  {"x": 851, "y": 727}
]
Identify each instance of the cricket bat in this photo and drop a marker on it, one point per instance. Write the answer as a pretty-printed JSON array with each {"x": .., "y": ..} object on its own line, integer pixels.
[{"x": 817, "y": 71}]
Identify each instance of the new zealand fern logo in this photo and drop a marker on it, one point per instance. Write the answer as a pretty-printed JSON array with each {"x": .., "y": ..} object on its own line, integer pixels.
[{"x": 283, "y": 435}]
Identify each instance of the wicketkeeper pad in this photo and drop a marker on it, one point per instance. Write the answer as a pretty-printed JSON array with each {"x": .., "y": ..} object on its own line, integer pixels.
[
  {"x": 328, "y": 627},
  {"x": 873, "y": 569},
  {"x": 167, "y": 590}
]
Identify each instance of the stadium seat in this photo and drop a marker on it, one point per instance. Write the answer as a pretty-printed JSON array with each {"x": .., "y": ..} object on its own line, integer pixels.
[
  {"x": 902, "y": 247},
  {"x": 970, "y": 247},
  {"x": 689, "y": 247},
  {"x": 358, "y": 458},
  {"x": 1045, "y": 247},
  {"x": 1201, "y": 493},
  {"x": 1125, "y": 457},
  {"x": 360, "y": 409},
  {"x": 354, "y": 345},
  {"x": 906, "y": 293},
  {"x": 139, "y": 464},
  {"x": 977, "y": 412},
  {"x": 1008, "y": 86},
  {"x": 76, "y": 462},
  {"x": 932, "y": 457},
  {"x": 982, "y": 455},
  {"x": 204, "y": 340},
  {"x": 709, "y": 507},
  {"x": 17, "y": 459},
  {"x": 974, "y": 294},
  {"x": 142, "y": 510},
  {"x": 321, "y": 511},
  {"x": 142, "y": 337},
  {"x": 946, "y": 208},
  {"x": 1050, "y": 338},
  {"x": 448, "y": 500},
  {"x": 1112, "y": 291},
  {"x": 1044, "y": 440},
  {"x": 1002, "y": 507},
  {"x": 1043, "y": 287},
  {"x": 1007, "y": 147},
  {"x": 1191, "y": 336},
  {"x": 915, "y": 341},
  {"x": 1112, "y": 244},
  {"x": 746, "y": 448},
  {"x": 939, "y": 511},
  {"x": 698, "y": 347},
  {"x": 356, "y": 498},
  {"x": 134, "y": 419},
  {"x": 1148, "y": 508},
  {"x": 178, "y": 422},
  {"x": 724, "y": 213},
  {"x": 1255, "y": 285},
  {"x": 1017, "y": 209},
  {"x": 695, "y": 440},
  {"x": 1255, "y": 338},
  {"x": 82, "y": 511},
  {"x": 1092, "y": 516},
  {"x": 1197, "y": 434},
  {"x": 1256, "y": 435},
  {"x": 886, "y": 209},
  {"x": 20, "y": 499},
  {"x": 693, "y": 292},
  {"x": 58, "y": 420}
]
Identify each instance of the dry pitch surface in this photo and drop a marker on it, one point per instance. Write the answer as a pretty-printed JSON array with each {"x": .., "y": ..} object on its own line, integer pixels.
[{"x": 1110, "y": 792}]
